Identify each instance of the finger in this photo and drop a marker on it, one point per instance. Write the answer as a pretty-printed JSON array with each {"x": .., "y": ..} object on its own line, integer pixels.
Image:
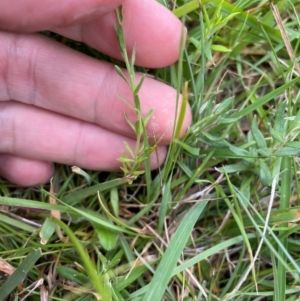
[
  {"x": 23, "y": 171},
  {"x": 41, "y": 135},
  {"x": 35, "y": 15},
  {"x": 148, "y": 26},
  {"x": 41, "y": 72}
]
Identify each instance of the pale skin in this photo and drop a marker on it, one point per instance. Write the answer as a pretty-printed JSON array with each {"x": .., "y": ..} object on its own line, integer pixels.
[{"x": 58, "y": 105}]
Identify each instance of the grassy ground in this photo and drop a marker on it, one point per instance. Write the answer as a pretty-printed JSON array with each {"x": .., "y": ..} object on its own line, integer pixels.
[{"x": 219, "y": 220}]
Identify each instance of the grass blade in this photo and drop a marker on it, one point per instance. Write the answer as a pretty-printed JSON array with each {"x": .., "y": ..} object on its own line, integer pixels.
[
  {"x": 77, "y": 196},
  {"x": 20, "y": 273},
  {"x": 165, "y": 269}
]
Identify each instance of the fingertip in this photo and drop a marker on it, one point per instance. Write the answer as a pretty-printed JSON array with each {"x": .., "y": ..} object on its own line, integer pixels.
[
  {"x": 25, "y": 172},
  {"x": 158, "y": 43}
]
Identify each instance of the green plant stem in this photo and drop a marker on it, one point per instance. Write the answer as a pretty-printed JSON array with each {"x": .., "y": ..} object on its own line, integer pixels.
[{"x": 285, "y": 196}]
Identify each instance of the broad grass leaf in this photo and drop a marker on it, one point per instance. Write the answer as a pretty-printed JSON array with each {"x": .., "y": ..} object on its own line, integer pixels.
[{"x": 163, "y": 274}]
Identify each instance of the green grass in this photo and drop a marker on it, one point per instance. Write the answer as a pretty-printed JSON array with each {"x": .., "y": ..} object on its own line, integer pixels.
[{"x": 219, "y": 220}]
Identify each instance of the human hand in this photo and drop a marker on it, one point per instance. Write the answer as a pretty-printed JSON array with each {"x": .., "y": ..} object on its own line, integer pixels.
[{"x": 58, "y": 105}]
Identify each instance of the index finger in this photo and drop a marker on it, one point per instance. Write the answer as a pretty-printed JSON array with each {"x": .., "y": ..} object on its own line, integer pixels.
[{"x": 36, "y": 15}]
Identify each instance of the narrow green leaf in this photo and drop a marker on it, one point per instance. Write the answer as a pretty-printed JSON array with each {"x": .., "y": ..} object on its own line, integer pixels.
[
  {"x": 257, "y": 135},
  {"x": 278, "y": 136},
  {"x": 163, "y": 274},
  {"x": 227, "y": 120},
  {"x": 287, "y": 151},
  {"x": 147, "y": 117},
  {"x": 182, "y": 110},
  {"x": 139, "y": 85},
  {"x": 77, "y": 196},
  {"x": 191, "y": 150},
  {"x": 138, "y": 127},
  {"x": 233, "y": 168},
  {"x": 240, "y": 151},
  {"x": 125, "y": 160},
  {"x": 47, "y": 230},
  {"x": 277, "y": 216},
  {"x": 114, "y": 200},
  {"x": 265, "y": 152},
  {"x": 82, "y": 173},
  {"x": 20, "y": 273},
  {"x": 129, "y": 122},
  {"x": 224, "y": 105},
  {"x": 120, "y": 72},
  {"x": 285, "y": 203},
  {"x": 220, "y": 48},
  {"x": 264, "y": 173},
  {"x": 132, "y": 62},
  {"x": 98, "y": 219},
  {"x": 32, "y": 204},
  {"x": 128, "y": 148},
  {"x": 202, "y": 256},
  {"x": 294, "y": 144},
  {"x": 72, "y": 275},
  {"x": 295, "y": 123},
  {"x": 211, "y": 251},
  {"x": 279, "y": 122},
  {"x": 165, "y": 203},
  {"x": 16, "y": 223},
  {"x": 107, "y": 237},
  {"x": 214, "y": 138}
]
